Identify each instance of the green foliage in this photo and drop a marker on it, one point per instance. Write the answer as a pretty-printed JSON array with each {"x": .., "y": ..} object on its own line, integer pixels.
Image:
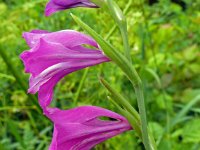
[{"x": 164, "y": 45}]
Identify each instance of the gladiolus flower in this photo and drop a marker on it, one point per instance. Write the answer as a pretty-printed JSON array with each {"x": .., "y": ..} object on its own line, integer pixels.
[
  {"x": 81, "y": 128},
  {"x": 54, "y": 55},
  {"x": 58, "y": 5}
]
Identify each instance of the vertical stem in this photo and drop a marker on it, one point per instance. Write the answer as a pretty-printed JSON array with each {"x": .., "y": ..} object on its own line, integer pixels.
[
  {"x": 128, "y": 69},
  {"x": 157, "y": 70},
  {"x": 142, "y": 111},
  {"x": 111, "y": 32},
  {"x": 80, "y": 85},
  {"x": 124, "y": 34},
  {"x": 122, "y": 24}
]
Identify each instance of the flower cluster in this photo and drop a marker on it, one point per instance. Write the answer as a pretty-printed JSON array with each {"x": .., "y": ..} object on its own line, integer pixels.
[{"x": 52, "y": 56}]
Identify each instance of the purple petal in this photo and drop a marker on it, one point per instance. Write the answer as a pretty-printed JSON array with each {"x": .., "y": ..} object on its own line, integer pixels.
[
  {"x": 59, "y": 5},
  {"x": 51, "y": 8},
  {"x": 45, "y": 82},
  {"x": 39, "y": 31},
  {"x": 46, "y": 54},
  {"x": 90, "y": 129},
  {"x": 68, "y": 38}
]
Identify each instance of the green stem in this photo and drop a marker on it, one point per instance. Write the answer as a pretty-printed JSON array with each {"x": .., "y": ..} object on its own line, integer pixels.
[
  {"x": 81, "y": 85},
  {"x": 124, "y": 34},
  {"x": 122, "y": 24},
  {"x": 111, "y": 32},
  {"x": 157, "y": 70},
  {"x": 127, "y": 68},
  {"x": 5, "y": 108},
  {"x": 142, "y": 111},
  {"x": 139, "y": 119},
  {"x": 132, "y": 120}
]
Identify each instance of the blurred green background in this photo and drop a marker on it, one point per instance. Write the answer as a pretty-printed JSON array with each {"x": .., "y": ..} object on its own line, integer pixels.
[{"x": 165, "y": 43}]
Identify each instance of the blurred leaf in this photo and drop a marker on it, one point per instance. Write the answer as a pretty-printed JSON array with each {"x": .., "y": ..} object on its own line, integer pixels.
[
  {"x": 189, "y": 94},
  {"x": 14, "y": 129},
  {"x": 156, "y": 129},
  {"x": 191, "y": 53},
  {"x": 191, "y": 131}
]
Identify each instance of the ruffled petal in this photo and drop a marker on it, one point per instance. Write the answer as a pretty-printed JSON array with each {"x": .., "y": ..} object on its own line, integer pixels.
[
  {"x": 90, "y": 129},
  {"x": 45, "y": 82},
  {"x": 51, "y": 8},
  {"x": 46, "y": 54}
]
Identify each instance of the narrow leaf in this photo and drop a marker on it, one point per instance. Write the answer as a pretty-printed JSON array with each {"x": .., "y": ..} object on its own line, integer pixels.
[{"x": 120, "y": 99}]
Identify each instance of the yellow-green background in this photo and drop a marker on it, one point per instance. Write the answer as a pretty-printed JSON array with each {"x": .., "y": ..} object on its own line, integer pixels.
[{"x": 165, "y": 44}]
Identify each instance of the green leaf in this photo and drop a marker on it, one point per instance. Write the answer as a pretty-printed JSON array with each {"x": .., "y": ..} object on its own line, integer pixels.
[
  {"x": 184, "y": 110},
  {"x": 156, "y": 129},
  {"x": 191, "y": 131},
  {"x": 13, "y": 128},
  {"x": 120, "y": 100},
  {"x": 134, "y": 123},
  {"x": 155, "y": 75}
]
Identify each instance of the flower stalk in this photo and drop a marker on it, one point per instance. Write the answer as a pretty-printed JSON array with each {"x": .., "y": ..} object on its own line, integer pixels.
[
  {"x": 129, "y": 71},
  {"x": 141, "y": 105},
  {"x": 122, "y": 24}
]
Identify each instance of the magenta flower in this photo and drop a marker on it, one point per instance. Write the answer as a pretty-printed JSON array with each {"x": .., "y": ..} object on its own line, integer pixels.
[
  {"x": 81, "y": 128},
  {"x": 58, "y": 5},
  {"x": 54, "y": 55}
]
